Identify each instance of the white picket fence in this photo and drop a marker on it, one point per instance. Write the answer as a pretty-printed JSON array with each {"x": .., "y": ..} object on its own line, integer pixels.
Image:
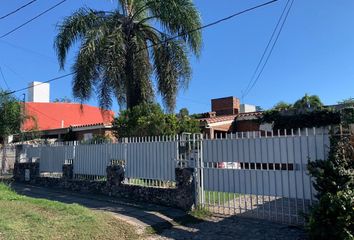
[{"x": 252, "y": 174}]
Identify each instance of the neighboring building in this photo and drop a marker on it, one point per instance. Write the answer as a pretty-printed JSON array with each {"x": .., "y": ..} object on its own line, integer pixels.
[
  {"x": 247, "y": 108},
  {"x": 56, "y": 120},
  {"x": 38, "y": 92},
  {"x": 228, "y": 115}
]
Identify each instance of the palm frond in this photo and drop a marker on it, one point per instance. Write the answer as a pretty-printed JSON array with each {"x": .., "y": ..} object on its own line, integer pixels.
[
  {"x": 172, "y": 70},
  {"x": 74, "y": 28},
  {"x": 179, "y": 17}
]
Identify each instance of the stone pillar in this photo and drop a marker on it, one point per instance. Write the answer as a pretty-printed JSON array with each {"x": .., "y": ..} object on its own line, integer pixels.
[
  {"x": 185, "y": 183},
  {"x": 26, "y": 172},
  {"x": 68, "y": 171},
  {"x": 115, "y": 175},
  {"x": 20, "y": 153}
]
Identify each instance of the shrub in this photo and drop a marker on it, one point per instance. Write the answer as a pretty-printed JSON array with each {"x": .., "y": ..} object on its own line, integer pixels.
[
  {"x": 332, "y": 217},
  {"x": 150, "y": 120}
]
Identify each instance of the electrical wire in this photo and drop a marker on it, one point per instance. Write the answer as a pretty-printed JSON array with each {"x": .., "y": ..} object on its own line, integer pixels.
[
  {"x": 247, "y": 91},
  {"x": 3, "y": 78},
  {"x": 18, "y": 9},
  {"x": 32, "y": 19},
  {"x": 169, "y": 39}
]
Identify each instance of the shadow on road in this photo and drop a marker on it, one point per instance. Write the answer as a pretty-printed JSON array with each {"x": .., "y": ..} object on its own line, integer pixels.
[{"x": 166, "y": 222}]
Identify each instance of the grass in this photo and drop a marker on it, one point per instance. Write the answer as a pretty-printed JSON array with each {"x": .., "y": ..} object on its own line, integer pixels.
[
  {"x": 22, "y": 217},
  {"x": 219, "y": 197},
  {"x": 200, "y": 213},
  {"x": 193, "y": 217}
]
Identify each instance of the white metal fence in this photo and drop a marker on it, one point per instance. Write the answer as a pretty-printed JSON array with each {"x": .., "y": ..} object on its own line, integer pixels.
[
  {"x": 261, "y": 176},
  {"x": 149, "y": 159},
  {"x": 252, "y": 174}
]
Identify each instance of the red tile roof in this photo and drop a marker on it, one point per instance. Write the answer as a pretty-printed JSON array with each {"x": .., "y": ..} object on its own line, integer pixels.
[
  {"x": 218, "y": 119},
  {"x": 241, "y": 116},
  {"x": 57, "y": 115}
]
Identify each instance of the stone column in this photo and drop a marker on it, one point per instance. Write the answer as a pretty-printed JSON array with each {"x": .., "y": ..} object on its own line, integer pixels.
[
  {"x": 26, "y": 172},
  {"x": 68, "y": 172},
  {"x": 115, "y": 175},
  {"x": 185, "y": 197}
]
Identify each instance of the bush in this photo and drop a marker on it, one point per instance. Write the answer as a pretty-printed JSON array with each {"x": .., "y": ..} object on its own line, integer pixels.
[
  {"x": 332, "y": 217},
  {"x": 150, "y": 120},
  {"x": 301, "y": 119}
]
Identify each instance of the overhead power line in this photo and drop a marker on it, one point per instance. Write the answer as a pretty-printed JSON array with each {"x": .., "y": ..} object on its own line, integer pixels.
[
  {"x": 209, "y": 25},
  {"x": 3, "y": 78},
  {"x": 281, "y": 22},
  {"x": 18, "y": 9},
  {"x": 170, "y": 39},
  {"x": 48, "y": 81},
  {"x": 32, "y": 19}
]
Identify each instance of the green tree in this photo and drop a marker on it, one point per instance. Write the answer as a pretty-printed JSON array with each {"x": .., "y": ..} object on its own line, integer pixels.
[
  {"x": 150, "y": 120},
  {"x": 10, "y": 115},
  {"x": 333, "y": 216},
  {"x": 308, "y": 102},
  {"x": 187, "y": 123},
  {"x": 280, "y": 106},
  {"x": 63, "y": 100},
  {"x": 121, "y": 50},
  {"x": 349, "y": 102},
  {"x": 10, "y": 121}
]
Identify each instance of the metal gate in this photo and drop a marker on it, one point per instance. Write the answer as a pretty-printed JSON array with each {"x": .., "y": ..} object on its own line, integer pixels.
[{"x": 255, "y": 175}]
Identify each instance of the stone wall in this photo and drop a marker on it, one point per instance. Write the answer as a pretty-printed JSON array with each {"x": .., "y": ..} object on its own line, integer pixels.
[
  {"x": 180, "y": 197},
  {"x": 20, "y": 169}
]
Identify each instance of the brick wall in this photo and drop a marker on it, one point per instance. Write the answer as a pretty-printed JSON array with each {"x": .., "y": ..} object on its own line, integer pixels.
[
  {"x": 247, "y": 126},
  {"x": 225, "y": 106}
]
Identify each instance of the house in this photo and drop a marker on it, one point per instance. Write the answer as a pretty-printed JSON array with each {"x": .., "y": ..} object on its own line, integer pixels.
[
  {"x": 56, "y": 120},
  {"x": 228, "y": 115}
]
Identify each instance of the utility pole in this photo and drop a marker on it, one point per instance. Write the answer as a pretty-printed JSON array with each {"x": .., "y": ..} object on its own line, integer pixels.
[{"x": 23, "y": 115}]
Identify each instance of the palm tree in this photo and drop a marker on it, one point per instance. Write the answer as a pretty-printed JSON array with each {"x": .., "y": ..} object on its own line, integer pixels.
[
  {"x": 120, "y": 51},
  {"x": 308, "y": 102}
]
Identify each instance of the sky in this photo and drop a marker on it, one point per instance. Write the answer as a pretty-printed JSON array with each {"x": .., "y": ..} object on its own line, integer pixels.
[{"x": 314, "y": 53}]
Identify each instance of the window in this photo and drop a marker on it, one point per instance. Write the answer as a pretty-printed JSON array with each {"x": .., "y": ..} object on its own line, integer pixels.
[{"x": 88, "y": 136}]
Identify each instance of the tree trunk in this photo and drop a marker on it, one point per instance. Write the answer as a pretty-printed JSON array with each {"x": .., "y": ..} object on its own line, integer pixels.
[
  {"x": 134, "y": 94},
  {"x": 3, "y": 161}
]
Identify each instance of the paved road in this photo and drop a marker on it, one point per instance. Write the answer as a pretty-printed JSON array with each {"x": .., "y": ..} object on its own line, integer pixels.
[{"x": 163, "y": 219}]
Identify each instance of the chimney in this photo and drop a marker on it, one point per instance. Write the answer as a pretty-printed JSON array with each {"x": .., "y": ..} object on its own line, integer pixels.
[
  {"x": 38, "y": 92},
  {"x": 225, "y": 106}
]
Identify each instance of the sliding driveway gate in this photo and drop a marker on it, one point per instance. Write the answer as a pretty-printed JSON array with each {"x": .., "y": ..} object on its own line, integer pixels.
[{"x": 260, "y": 176}]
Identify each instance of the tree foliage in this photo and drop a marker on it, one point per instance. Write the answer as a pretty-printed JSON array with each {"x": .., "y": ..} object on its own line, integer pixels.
[
  {"x": 280, "y": 106},
  {"x": 150, "y": 120},
  {"x": 308, "y": 102},
  {"x": 63, "y": 100},
  {"x": 294, "y": 120},
  {"x": 121, "y": 50},
  {"x": 10, "y": 115},
  {"x": 333, "y": 216},
  {"x": 308, "y": 112},
  {"x": 349, "y": 102}
]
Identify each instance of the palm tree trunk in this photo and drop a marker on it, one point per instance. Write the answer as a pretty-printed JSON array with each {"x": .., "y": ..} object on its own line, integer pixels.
[{"x": 133, "y": 91}]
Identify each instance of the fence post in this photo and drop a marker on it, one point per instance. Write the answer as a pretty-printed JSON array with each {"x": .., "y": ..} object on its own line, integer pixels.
[
  {"x": 185, "y": 183},
  {"x": 68, "y": 171},
  {"x": 115, "y": 176}
]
